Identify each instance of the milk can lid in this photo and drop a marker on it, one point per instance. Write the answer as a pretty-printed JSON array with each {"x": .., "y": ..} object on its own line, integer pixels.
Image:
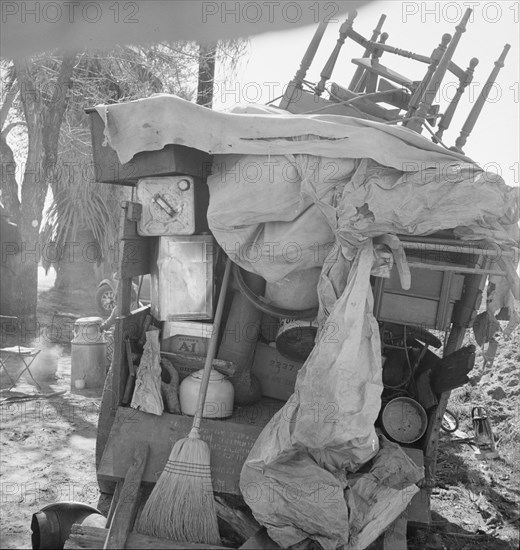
[{"x": 89, "y": 321}]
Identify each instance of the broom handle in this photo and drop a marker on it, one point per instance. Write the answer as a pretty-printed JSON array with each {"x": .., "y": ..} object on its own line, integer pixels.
[{"x": 212, "y": 350}]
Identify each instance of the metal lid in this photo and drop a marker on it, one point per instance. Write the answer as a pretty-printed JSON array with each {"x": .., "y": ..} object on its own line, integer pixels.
[
  {"x": 88, "y": 331},
  {"x": 295, "y": 339},
  {"x": 89, "y": 321},
  {"x": 404, "y": 420}
]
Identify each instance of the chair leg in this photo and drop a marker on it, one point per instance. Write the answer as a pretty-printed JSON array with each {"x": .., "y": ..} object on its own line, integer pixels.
[
  {"x": 4, "y": 366},
  {"x": 28, "y": 369}
]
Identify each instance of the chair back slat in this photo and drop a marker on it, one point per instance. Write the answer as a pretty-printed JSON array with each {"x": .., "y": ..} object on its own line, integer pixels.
[
  {"x": 375, "y": 34},
  {"x": 297, "y": 82},
  {"x": 368, "y": 81},
  {"x": 477, "y": 108},
  {"x": 421, "y": 113},
  {"x": 376, "y": 88},
  {"x": 447, "y": 117},
  {"x": 326, "y": 73},
  {"x": 436, "y": 56}
]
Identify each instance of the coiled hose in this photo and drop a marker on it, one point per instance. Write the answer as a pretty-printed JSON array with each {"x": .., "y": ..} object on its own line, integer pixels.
[{"x": 278, "y": 312}]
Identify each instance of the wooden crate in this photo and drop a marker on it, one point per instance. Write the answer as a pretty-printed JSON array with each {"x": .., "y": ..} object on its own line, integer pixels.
[
  {"x": 230, "y": 441},
  {"x": 171, "y": 160},
  {"x": 428, "y": 303}
]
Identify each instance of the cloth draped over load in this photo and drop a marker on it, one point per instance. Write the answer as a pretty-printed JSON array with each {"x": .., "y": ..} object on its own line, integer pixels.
[{"x": 291, "y": 192}]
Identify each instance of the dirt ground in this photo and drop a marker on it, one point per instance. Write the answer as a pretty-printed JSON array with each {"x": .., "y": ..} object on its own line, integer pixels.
[
  {"x": 47, "y": 444},
  {"x": 47, "y": 447}
]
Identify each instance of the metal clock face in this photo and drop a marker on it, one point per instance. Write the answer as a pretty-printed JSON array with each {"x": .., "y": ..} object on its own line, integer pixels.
[{"x": 168, "y": 206}]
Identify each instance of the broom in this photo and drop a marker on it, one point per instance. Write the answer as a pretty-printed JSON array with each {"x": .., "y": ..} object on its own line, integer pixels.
[{"x": 181, "y": 506}]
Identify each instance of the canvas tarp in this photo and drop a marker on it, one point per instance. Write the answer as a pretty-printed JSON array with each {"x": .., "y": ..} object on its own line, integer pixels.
[{"x": 291, "y": 192}]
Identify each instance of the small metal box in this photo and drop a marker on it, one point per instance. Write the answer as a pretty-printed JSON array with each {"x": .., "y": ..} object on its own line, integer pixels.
[
  {"x": 182, "y": 278},
  {"x": 168, "y": 206}
]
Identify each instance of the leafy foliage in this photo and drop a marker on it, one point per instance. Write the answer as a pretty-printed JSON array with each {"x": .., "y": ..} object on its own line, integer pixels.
[{"x": 123, "y": 74}]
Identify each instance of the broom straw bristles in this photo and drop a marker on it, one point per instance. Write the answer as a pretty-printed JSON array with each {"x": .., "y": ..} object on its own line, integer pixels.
[{"x": 181, "y": 506}]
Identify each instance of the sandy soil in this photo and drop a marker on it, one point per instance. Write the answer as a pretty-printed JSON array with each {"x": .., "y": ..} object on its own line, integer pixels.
[
  {"x": 47, "y": 445},
  {"x": 47, "y": 450}
]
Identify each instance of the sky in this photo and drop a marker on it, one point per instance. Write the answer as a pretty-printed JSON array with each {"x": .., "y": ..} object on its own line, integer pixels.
[{"x": 416, "y": 26}]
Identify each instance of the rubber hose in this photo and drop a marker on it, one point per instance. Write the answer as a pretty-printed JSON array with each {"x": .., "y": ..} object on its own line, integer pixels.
[{"x": 278, "y": 312}]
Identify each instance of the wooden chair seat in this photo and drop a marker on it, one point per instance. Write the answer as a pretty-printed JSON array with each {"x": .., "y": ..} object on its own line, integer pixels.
[
  {"x": 375, "y": 67},
  {"x": 20, "y": 350}
]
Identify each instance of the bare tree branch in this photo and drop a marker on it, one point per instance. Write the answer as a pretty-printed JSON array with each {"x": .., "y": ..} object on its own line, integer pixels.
[
  {"x": 8, "y": 102},
  {"x": 8, "y": 184},
  {"x": 9, "y": 127},
  {"x": 56, "y": 108}
]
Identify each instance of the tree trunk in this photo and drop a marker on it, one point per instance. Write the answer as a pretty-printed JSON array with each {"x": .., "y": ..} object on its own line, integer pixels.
[
  {"x": 43, "y": 121},
  {"x": 8, "y": 184},
  {"x": 34, "y": 189},
  {"x": 76, "y": 267},
  {"x": 9, "y": 265}
]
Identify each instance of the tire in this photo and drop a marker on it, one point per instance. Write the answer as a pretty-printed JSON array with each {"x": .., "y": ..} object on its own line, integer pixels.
[
  {"x": 450, "y": 422},
  {"x": 105, "y": 299}
]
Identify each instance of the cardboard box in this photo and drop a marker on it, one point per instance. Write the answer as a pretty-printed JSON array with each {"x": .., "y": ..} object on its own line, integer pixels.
[
  {"x": 277, "y": 374},
  {"x": 186, "y": 337}
]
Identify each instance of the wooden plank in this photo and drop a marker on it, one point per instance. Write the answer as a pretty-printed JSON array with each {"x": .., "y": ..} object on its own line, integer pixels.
[
  {"x": 387, "y": 506},
  {"x": 135, "y": 252},
  {"x": 381, "y": 70},
  {"x": 186, "y": 363},
  {"x": 418, "y": 511},
  {"x": 429, "y": 301},
  {"x": 473, "y": 286},
  {"x": 135, "y": 256},
  {"x": 128, "y": 326},
  {"x": 457, "y": 269},
  {"x": 444, "y": 311},
  {"x": 113, "y": 504},
  {"x": 425, "y": 282},
  {"x": 366, "y": 105},
  {"x": 128, "y": 500},
  {"x": 469, "y": 248},
  {"x": 94, "y": 537},
  {"x": 408, "y": 310},
  {"x": 395, "y": 535},
  {"x": 230, "y": 441}
]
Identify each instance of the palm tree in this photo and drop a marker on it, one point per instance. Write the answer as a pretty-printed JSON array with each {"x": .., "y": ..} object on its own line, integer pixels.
[
  {"x": 43, "y": 111},
  {"x": 82, "y": 222}
]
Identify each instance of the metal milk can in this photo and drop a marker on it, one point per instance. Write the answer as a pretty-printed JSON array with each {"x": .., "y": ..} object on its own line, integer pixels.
[{"x": 88, "y": 354}]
